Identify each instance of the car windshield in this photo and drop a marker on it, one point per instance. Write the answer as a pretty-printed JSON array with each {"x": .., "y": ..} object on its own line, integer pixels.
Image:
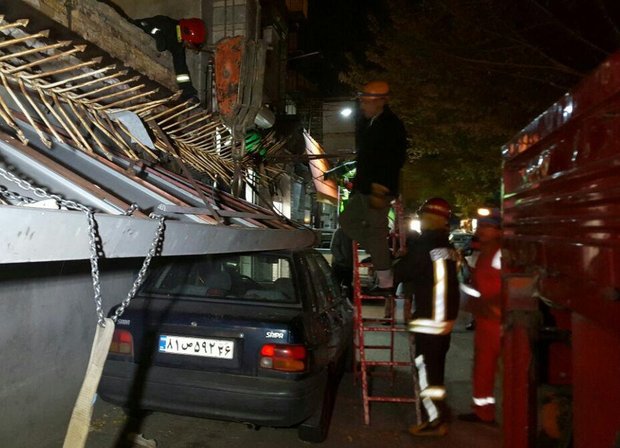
[{"x": 256, "y": 277}]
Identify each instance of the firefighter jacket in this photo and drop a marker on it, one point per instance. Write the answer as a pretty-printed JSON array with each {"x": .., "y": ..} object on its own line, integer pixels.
[
  {"x": 381, "y": 152},
  {"x": 430, "y": 267},
  {"x": 166, "y": 34}
]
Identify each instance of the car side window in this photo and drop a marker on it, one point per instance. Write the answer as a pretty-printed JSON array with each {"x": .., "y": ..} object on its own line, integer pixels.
[
  {"x": 317, "y": 282},
  {"x": 327, "y": 293},
  {"x": 331, "y": 286}
]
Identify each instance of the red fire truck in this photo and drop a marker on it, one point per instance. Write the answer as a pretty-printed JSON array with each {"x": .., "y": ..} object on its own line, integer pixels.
[{"x": 562, "y": 271}]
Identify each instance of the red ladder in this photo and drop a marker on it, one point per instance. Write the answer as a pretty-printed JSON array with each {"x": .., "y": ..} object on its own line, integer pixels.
[{"x": 364, "y": 325}]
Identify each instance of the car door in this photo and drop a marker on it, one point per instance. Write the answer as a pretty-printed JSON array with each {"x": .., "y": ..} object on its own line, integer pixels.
[{"x": 332, "y": 309}]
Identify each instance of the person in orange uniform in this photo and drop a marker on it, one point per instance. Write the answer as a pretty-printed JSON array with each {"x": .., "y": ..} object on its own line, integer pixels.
[{"x": 486, "y": 282}]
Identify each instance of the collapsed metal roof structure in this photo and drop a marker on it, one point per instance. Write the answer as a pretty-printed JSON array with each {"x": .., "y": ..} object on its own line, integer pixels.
[
  {"x": 84, "y": 147},
  {"x": 90, "y": 133}
]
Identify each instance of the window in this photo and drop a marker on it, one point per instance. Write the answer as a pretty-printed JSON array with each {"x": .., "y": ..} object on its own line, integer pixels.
[
  {"x": 327, "y": 292},
  {"x": 259, "y": 277}
]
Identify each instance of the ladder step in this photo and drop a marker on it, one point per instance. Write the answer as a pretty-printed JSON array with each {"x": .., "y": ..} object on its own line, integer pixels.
[
  {"x": 386, "y": 329},
  {"x": 391, "y": 399},
  {"x": 365, "y": 297},
  {"x": 377, "y": 319},
  {"x": 386, "y": 363}
]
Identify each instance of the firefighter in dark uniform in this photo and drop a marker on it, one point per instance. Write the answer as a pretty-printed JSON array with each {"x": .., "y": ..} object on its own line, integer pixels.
[
  {"x": 175, "y": 36},
  {"x": 430, "y": 267},
  {"x": 381, "y": 152}
]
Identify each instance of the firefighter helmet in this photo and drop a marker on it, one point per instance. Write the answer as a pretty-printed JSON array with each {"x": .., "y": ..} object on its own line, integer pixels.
[
  {"x": 492, "y": 217},
  {"x": 193, "y": 31},
  {"x": 436, "y": 206},
  {"x": 375, "y": 89}
]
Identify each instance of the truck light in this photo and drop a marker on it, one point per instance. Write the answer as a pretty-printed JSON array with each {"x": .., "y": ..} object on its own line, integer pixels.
[
  {"x": 122, "y": 343},
  {"x": 284, "y": 357}
]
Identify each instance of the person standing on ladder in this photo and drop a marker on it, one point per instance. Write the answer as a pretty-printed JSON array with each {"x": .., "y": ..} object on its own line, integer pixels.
[
  {"x": 430, "y": 268},
  {"x": 381, "y": 153}
]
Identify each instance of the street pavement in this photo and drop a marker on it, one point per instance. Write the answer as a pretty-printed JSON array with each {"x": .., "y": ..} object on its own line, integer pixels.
[{"x": 388, "y": 426}]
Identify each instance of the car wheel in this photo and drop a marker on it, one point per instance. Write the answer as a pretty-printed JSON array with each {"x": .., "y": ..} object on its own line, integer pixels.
[{"x": 315, "y": 429}]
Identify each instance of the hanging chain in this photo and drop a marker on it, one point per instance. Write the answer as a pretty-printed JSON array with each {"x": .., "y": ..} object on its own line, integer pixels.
[
  {"x": 38, "y": 192},
  {"x": 14, "y": 196},
  {"x": 145, "y": 266},
  {"x": 93, "y": 239},
  {"x": 132, "y": 208}
]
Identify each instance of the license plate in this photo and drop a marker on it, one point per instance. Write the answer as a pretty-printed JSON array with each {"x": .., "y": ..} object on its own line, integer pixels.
[{"x": 208, "y": 348}]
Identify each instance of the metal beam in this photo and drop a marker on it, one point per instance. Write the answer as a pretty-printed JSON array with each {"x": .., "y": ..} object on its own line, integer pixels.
[
  {"x": 35, "y": 235},
  {"x": 95, "y": 169},
  {"x": 53, "y": 177},
  {"x": 204, "y": 211}
]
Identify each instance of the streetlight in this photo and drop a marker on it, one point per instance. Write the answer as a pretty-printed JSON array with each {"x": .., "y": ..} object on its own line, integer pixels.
[{"x": 346, "y": 112}]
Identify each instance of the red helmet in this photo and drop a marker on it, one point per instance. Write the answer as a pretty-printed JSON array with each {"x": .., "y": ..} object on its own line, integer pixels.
[
  {"x": 436, "y": 206},
  {"x": 193, "y": 31}
]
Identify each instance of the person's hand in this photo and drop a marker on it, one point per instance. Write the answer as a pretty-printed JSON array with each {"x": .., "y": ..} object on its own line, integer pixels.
[{"x": 400, "y": 252}]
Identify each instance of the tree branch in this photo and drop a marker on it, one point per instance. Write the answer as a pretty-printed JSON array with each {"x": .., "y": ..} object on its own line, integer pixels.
[
  {"x": 531, "y": 78},
  {"x": 521, "y": 41},
  {"x": 575, "y": 35},
  {"x": 566, "y": 70},
  {"x": 612, "y": 25}
]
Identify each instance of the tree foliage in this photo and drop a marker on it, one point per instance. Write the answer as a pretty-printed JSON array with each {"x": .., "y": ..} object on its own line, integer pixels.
[{"x": 466, "y": 75}]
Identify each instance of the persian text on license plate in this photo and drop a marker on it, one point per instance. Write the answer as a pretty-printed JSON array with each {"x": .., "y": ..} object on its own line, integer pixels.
[{"x": 209, "y": 348}]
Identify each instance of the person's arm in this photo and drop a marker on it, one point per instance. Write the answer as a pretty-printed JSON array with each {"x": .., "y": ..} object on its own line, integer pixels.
[{"x": 410, "y": 267}]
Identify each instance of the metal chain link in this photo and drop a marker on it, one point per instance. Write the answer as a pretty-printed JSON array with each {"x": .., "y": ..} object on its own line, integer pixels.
[
  {"x": 145, "y": 266},
  {"x": 39, "y": 192},
  {"x": 14, "y": 196},
  {"x": 132, "y": 208},
  {"x": 93, "y": 239}
]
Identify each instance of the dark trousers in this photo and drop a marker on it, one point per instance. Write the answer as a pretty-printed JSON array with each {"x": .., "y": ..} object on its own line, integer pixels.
[
  {"x": 434, "y": 348},
  {"x": 430, "y": 362},
  {"x": 344, "y": 277}
]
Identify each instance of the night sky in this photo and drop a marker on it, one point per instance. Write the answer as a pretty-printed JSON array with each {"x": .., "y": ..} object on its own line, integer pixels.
[
  {"x": 579, "y": 33},
  {"x": 465, "y": 75},
  {"x": 335, "y": 28}
]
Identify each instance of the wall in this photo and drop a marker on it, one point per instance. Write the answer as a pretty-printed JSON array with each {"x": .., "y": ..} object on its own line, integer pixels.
[
  {"x": 47, "y": 325},
  {"x": 100, "y": 24},
  {"x": 176, "y": 9},
  {"x": 338, "y": 131}
]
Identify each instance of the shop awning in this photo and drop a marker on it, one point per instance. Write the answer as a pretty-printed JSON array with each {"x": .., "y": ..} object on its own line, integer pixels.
[{"x": 326, "y": 190}]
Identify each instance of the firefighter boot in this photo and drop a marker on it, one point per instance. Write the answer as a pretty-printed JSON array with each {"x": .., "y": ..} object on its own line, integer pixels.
[{"x": 436, "y": 428}]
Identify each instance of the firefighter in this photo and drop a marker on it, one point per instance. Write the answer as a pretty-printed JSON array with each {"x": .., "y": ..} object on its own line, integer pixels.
[
  {"x": 381, "y": 153},
  {"x": 175, "y": 36},
  {"x": 486, "y": 283},
  {"x": 430, "y": 268}
]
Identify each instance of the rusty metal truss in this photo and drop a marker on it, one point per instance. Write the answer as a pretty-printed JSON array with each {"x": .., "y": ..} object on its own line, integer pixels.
[{"x": 65, "y": 97}]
